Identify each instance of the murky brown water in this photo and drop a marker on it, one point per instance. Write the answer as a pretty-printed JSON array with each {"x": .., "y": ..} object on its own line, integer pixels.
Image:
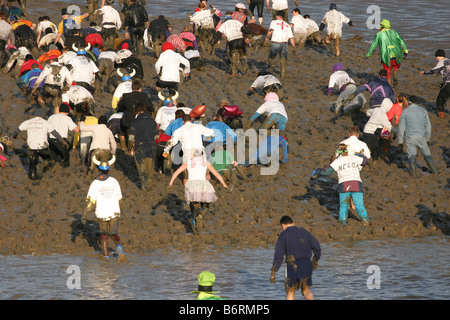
[{"x": 408, "y": 270}]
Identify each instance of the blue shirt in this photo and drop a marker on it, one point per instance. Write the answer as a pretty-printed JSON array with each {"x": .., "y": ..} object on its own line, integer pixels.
[
  {"x": 296, "y": 242},
  {"x": 221, "y": 131},
  {"x": 29, "y": 78},
  {"x": 265, "y": 149},
  {"x": 174, "y": 125}
]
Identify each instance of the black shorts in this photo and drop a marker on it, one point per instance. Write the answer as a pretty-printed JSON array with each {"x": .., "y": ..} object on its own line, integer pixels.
[
  {"x": 170, "y": 85},
  {"x": 259, "y": 4},
  {"x": 237, "y": 45}
]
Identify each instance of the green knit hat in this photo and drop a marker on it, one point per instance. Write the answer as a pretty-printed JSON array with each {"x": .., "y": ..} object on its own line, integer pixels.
[
  {"x": 386, "y": 24},
  {"x": 205, "y": 282}
]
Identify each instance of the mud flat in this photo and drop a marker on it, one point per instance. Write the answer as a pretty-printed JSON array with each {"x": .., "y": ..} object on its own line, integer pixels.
[{"x": 44, "y": 218}]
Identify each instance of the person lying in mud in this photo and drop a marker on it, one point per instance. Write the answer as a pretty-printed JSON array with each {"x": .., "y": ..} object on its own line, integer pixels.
[
  {"x": 198, "y": 192},
  {"x": 350, "y": 184}
]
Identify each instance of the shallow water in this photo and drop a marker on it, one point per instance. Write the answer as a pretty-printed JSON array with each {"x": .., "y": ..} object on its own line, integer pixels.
[
  {"x": 408, "y": 269},
  {"x": 422, "y": 24}
]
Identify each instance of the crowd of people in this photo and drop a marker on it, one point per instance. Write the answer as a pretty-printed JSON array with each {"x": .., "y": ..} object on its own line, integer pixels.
[{"x": 61, "y": 68}]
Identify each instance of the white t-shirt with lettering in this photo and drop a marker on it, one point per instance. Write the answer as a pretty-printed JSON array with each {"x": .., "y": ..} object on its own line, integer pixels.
[
  {"x": 37, "y": 132},
  {"x": 231, "y": 29},
  {"x": 165, "y": 116},
  {"x": 348, "y": 168},
  {"x": 107, "y": 194}
]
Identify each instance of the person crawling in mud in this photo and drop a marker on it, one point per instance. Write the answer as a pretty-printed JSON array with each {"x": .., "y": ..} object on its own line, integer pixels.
[
  {"x": 350, "y": 184},
  {"x": 276, "y": 113},
  {"x": 38, "y": 129}
]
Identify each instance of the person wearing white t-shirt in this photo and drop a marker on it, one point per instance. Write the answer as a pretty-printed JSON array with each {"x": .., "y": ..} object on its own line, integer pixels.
[
  {"x": 80, "y": 100},
  {"x": 111, "y": 23},
  {"x": 37, "y": 129},
  {"x": 268, "y": 83},
  {"x": 233, "y": 30},
  {"x": 62, "y": 123},
  {"x": 42, "y": 27},
  {"x": 354, "y": 145},
  {"x": 106, "y": 60},
  {"x": 280, "y": 33},
  {"x": 313, "y": 32},
  {"x": 83, "y": 71},
  {"x": 203, "y": 26},
  {"x": 57, "y": 78},
  {"x": 279, "y": 5},
  {"x": 334, "y": 21},
  {"x": 299, "y": 28},
  {"x": 190, "y": 135},
  {"x": 104, "y": 195},
  {"x": 122, "y": 88},
  {"x": 165, "y": 115},
  {"x": 350, "y": 186},
  {"x": 168, "y": 68},
  {"x": 275, "y": 111},
  {"x": 345, "y": 84},
  {"x": 103, "y": 141}
]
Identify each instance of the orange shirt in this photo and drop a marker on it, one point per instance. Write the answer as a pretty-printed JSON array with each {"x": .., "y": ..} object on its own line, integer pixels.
[
  {"x": 21, "y": 22},
  {"x": 396, "y": 110}
]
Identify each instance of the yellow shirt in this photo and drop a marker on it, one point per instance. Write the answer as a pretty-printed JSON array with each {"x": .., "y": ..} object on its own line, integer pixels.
[
  {"x": 90, "y": 120},
  {"x": 21, "y": 22},
  {"x": 77, "y": 19}
]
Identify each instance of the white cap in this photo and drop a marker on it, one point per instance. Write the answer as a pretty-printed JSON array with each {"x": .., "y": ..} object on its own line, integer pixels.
[{"x": 240, "y": 5}]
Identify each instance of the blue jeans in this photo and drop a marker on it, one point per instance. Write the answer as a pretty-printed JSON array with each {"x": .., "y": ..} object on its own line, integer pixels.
[
  {"x": 278, "y": 49},
  {"x": 344, "y": 199},
  {"x": 274, "y": 119}
]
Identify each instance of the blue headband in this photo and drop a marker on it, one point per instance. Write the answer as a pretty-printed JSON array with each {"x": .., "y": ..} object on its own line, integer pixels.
[{"x": 126, "y": 78}]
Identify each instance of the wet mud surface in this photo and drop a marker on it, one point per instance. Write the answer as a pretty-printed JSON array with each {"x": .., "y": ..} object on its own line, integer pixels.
[{"x": 44, "y": 217}]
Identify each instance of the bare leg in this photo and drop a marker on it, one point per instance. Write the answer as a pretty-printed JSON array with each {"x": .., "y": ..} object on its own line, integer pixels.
[{"x": 307, "y": 293}]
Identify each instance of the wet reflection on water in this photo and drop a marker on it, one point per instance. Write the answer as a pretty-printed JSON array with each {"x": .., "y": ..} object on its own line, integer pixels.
[
  {"x": 408, "y": 270},
  {"x": 423, "y": 24}
]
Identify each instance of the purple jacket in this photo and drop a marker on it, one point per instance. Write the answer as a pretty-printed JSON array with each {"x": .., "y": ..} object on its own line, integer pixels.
[{"x": 379, "y": 89}]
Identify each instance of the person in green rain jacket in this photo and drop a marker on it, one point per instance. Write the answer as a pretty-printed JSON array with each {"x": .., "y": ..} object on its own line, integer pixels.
[
  {"x": 392, "y": 49},
  {"x": 205, "y": 283}
]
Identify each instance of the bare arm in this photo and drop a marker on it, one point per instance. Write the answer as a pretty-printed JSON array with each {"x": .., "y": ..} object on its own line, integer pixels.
[
  {"x": 292, "y": 40},
  {"x": 177, "y": 173},
  {"x": 216, "y": 174}
]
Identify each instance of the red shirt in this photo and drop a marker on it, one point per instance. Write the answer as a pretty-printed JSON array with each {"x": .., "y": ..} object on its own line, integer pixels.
[
  {"x": 93, "y": 39},
  {"x": 162, "y": 138},
  {"x": 26, "y": 66},
  {"x": 396, "y": 110}
]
